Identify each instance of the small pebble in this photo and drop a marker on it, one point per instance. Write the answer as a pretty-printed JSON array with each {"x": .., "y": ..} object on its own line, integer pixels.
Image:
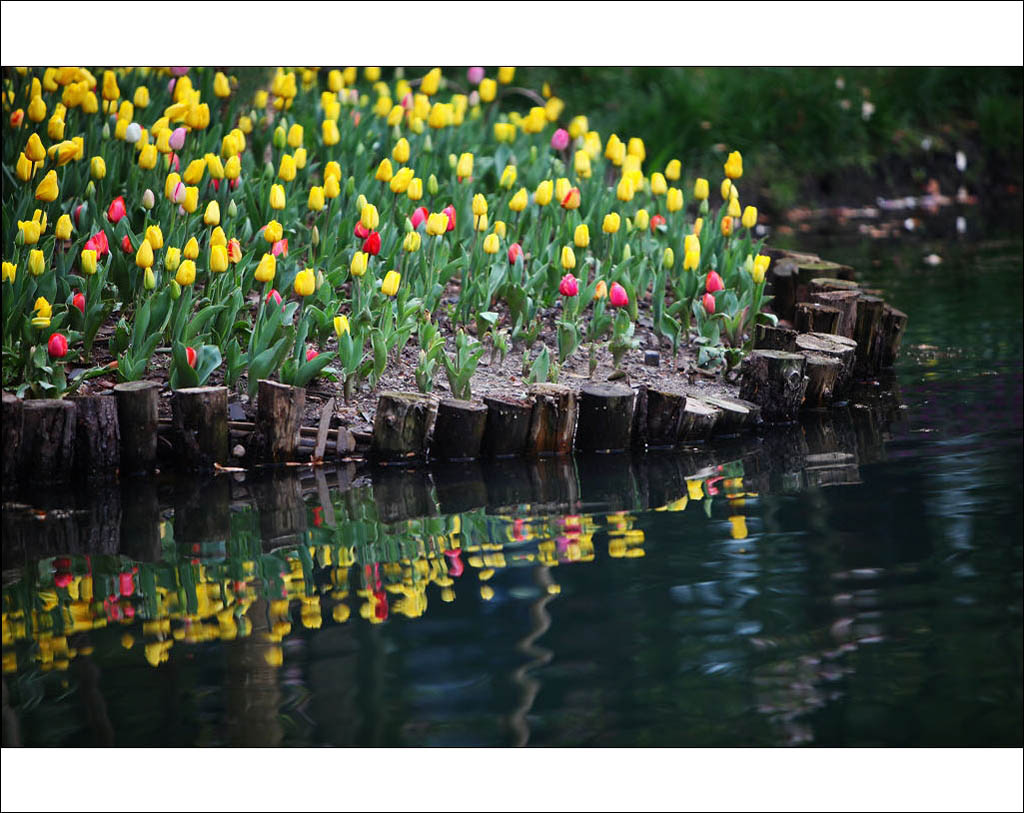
[
  {"x": 238, "y": 451},
  {"x": 652, "y": 358}
]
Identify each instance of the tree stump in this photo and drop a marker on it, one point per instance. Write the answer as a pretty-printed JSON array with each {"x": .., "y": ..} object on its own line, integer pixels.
[
  {"x": 698, "y": 420},
  {"x": 458, "y": 430},
  {"x": 823, "y": 284},
  {"x": 279, "y": 411},
  {"x": 664, "y": 416},
  {"x": 846, "y": 303},
  {"x": 507, "y": 426},
  {"x": 97, "y": 437},
  {"x": 638, "y": 431},
  {"x": 809, "y": 272},
  {"x": 47, "y": 450},
  {"x": 12, "y": 433},
  {"x": 137, "y": 419},
  {"x": 894, "y": 323},
  {"x": 775, "y": 381},
  {"x": 768, "y": 337},
  {"x": 837, "y": 347},
  {"x": 738, "y": 414},
  {"x": 200, "y": 419},
  {"x": 809, "y": 317},
  {"x": 867, "y": 332},
  {"x": 552, "y": 420},
  {"x": 401, "y": 425},
  {"x": 605, "y": 418},
  {"x": 822, "y": 373},
  {"x": 782, "y": 279}
]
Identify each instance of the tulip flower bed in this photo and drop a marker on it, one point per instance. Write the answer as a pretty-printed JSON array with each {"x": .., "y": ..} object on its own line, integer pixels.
[{"x": 346, "y": 232}]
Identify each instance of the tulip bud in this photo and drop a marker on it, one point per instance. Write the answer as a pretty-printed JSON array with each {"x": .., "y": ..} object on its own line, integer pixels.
[
  {"x": 568, "y": 258},
  {"x": 280, "y": 138},
  {"x": 358, "y": 265},
  {"x": 412, "y": 239},
  {"x": 617, "y": 296},
  {"x": 186, "y": 273},
  {"x": 87, "y": 261},
  {"x": 36, "y": 262},
  {"x": 144, "y": 256},
  {"x": 432, "y": 186},
  {"x": 581, "y": 236},
  {"x": 62, "y": 231},
  {"x": 57, "y": 346},
  {"x": 627, "y": 253},
  {"x": 569, "y": 286},
  {"x": 610, "y": 225},
  {"x": 491, "y": 244},
  {"x": 641, "y": 219},
  {"x": 713, "y": 282},
  {"x": 749, "y": 219},
  {"x": 668, "y": 259},
  {"x": 601, "y": 290},
  {"x": 149, "y": 280},
  {"x": 172, "y": 258},
  {"x": 305, "y": 282},
  {"x": 708, "y": 301},
  {"x": 389, "y": 287},
  {"x": 175, "y": 289},
  {"x": 191, "y": 250}
]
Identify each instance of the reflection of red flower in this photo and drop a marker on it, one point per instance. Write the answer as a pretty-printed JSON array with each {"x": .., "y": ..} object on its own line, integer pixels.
[
  {"x": 127, "y": 584},
  {"x": 455, "y": 566},
  {"x": 380, "y": 605},
  {"x": 318, "y": 514},
  {"x": 517, "y": 530},
  {"x": 62, "y": 579}
]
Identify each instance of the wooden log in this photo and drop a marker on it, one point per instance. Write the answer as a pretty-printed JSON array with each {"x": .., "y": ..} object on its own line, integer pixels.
[
  {"x": 782, "y": 280},
  {"x": 837, "y": 347},
  {"x": 12, "y": 433},
  {"x": 777, "y": 254},
  {"x": 868, "y": 335},
  {"x": 552, "y": 420},
  {"x": 775, "y": 381},
  {"x": 664, "y": 416},
  {"x": 605, "y": 418},
  {"x": 507, "y": 426},
  {"x": 698, "y": 420},
  {"x": 738, "y": 414},
  {"x": 808, "y": 272},
  {"x": 769, "y": 337},
  {"x": 279, "y": 411},
  {"x": 97, "y": 437},
  {"x": 458, "y": 430},
  {"x": 323, "y": 428},
  {"x": 200, "y": 420},
  {"x": 824, "y": 284},
  {"x": 401, "y": 425},
  {"x": 811, "y": 317},
  {"x": 47, "y": 451},
  {"x": 894, "y": 323},
  {"x": 137, "y": 419},
  {"x": 822, "y": 373},
  {"x": 846, "y": 303},
  {"x": 638, "y": 432}
]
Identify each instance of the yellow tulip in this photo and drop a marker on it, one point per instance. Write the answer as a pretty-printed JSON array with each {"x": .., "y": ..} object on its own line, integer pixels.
[
  {"x": 341, "y": 325},
  {"x": 761, "y": 263},
  {"x": 578, "y": 126},
  {"x": 63, "y": 228},
  {"x": 305, "y": 282},
  {"x": 611, "y": 223},
  {"x": 400, "y": 180},
  {"x": 277, "y": 196},
  {"x": 464, "y": 169},
  {"x": 266, "y": 269},
  {"x": 430, "y": 83},
  {"x": 415, "y": 190},
  {"x": 186, "y": 273},
  {"x": 384, "y": 171},
  {"x": 144, "y": 256},
  {"x": 315, "y": 201},
  {"x": 499, "y": 228},
  {"x": 734, "y": 166},
  {"x": 568, "y": 258},
  {"x": 218, "y": 238},
  {"x": 218, "y": 259},
  {"x": 37, "y": 109},
  {"x": 389, "y": 287},
  {"x": 601, "y": 290},
  {"x": 191, "y": 250},
  {"x": 359, "y": 262},
  {"x": 155, "y": 237},
  {"x": 581, "y": 236},
  {"x": 734, "y": 207},
  {"x": 492, "y": 244},
  {"x": 691, "y": 260},
  {"x": 480, "y": 222},
  {"x": 329, "y": 132},
  {"x": 369, "y": 217},
  {"x": 34, "y": 148},
  {"x": 232, "y": 167},
  {"x": 488, "y": 89},
  {"x": 286, "y": 170},
  {"x": 191, "y": 202},
  {"x": 141, "y": 98},
  {"x": 172, "y": 258},
  {"x": 479, "y": 204},
  {"x": 508, "y": 176},
  {"x": 36, "y": 262},
  {"x": 10, "y": 272},
  {"x": 25, "y": 168},
  {"x": 659, "y": 186},
  {"x": 726, "y": 189},
  {"x": 97, "y": 168},
  {"x": 624, "y": 191},
  {"x": 749, "y": 217},
  {"x": 698, "y": 224},
  {"x": 437, "y": 223},
  {"x": 87, "y": 262},
  {"x": 400, "y": 152},
  {"x": 42, "y": 307},
  {"x": 47, "y": 190},
  {"x": 673, "y": 170},
  {"x": 668, "y": 259},
  {"x": 641, "y": 219},
  {"x": 295, "y": 136},
  {"x": 412, "y": 241},
  {"x": 519, "y": 200},
  {"x": 636, "y": 147},
  {"x": 503, "y": 131},
  {"x": 506, "y": 75},
  {"x": 147, "y": 157},
  {"x": 700, "y": 189},
  {"x": 211, "y": 217},
  {"x": 542, "y": 195}
]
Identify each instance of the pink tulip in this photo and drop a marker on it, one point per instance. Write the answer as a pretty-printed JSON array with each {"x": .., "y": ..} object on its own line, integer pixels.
[
  {"x": 714, "y": 282},
  {"x": 560, "y": 139},
  {"x": 419, "y": 216},
  {"x": 79, "y": 301},
  {"x": 179, "y": 71},
  {"x": 569, "y": 286},
  {"x": 708, "y": 301},
  {"x": 475, "y": 75},
  {"x": 618, "y": 296},
  {"x": 177, "y": 140}
]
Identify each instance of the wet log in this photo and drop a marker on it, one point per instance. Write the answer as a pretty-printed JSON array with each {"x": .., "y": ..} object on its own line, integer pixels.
[
  {"x": 810, "y": 317},
  {"x": 12, "y": 442},
  {"x": 868, "y": 335},
  {"x": 47, "y": 451},
  {"x": 819, "y": 269},
  {"x": 401, "y": 425},
  {"x": 894, "y": 323},
  {"x": 837, "y": 347},
  {"x": 605, "y": 418},
  {"x": 769, "y": 337},
  {"x": 200, "y": 419},
  {"x": 97, "y": 437},
  {"x": 822, "y": 373},
  {"x": 458, "y": 430},
  {"x": 552, "y": 420},
  {"x": 775, "y": 381},
  {"x": 137, "y": 419},
  {"x": 846, "y": 303},
  {"x": 507, "y": 426},
  {"x": 698, "y": 420},
  {"x": 737, "y": 414},
  {"x": 664, "y": 416},
  {"x": 279, "y": 411}
]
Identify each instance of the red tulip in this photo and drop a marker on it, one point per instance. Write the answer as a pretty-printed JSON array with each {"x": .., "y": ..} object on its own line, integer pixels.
[
  {"x": 371, "y": 245},
  {"x": 190, "y": 356},
  {"x": 568, "y": 286},
  {"x": 708, "y": 301},
  {"x": 79, "y": 301},
  {"x": 126, "y": 583},
  {"x": 274, "y": 297},
  {"x": 78, "y": 214},
  {"x": 216, "y": 185},
  {"x": 657, "y": 220},
  {"x": 318, "y": 516},
  {"x": 62, "y": 579},
  {"x": 58, "y": 346},
  {"x": 714, "y": 282},
  {"x": 361, "y": 231},
  {"x": 126, "y": 245},
  {"x": 618, "y": 296},
  {"x": 450, "y": 211},
  {"x": 98, "y": 243},
  {"x": 311, "y": 354},
  {"x": 419, "y": 216},
  {"x": 514, "y": 250},
  {"x": 280, "y": 247},
  {"x": 117, "y": 209}
]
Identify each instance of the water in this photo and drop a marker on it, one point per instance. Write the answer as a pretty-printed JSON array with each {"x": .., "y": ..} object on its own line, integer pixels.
[{"x": 854, "y": 583}]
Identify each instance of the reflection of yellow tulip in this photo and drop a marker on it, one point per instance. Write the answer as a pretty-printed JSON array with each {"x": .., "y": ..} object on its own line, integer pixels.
[
  {"x": 695, "y": 489},
  {"x": 739, "y": 527}
]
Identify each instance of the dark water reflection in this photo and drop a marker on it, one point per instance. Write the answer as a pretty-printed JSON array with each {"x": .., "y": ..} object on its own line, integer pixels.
[{"x": 854, "y": 581}]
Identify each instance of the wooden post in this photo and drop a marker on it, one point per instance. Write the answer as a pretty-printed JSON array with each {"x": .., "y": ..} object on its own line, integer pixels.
[
  {"x": 894, "y": 323},
  {"x": 200, "y": 419},
  {"x": 507, "y": 426},
  {"x": 137, "y": 419},
  {"x": 822, "y": 373},
  {"x": 279, "y": 411},
  {"x": 458, "y": 430},
  {"x": 837, "y": 347},
  {"x": 867, "y": 333},
  {"x": 768, "y": 337},
  {"x": 605, "y": 418},
  {"x": 846, "y": 303},
  {"x": 737, "y": 414},
  {"x": 698, "y": 420},
  {"x": 808, "y": 272},
  {"x": 12, "y": 433},
  {"x": 776, "y": 382},
  {"x": 97, "y": 437},
  {"x": 552, "y": 421},
  {"x": 782, "y": 278},
  {"x": 401, "y": 425},
  {"x": 811, "y": 317},
  {"x": 47, "y": 450},
  {"x": 664, "y": 416}
]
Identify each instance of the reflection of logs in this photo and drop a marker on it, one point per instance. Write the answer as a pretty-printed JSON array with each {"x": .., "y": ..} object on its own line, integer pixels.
[
  {"x": 402, "y": 494},
  {"x": 508, "y": 483},
  {"x": 555, "y": 481},
  {"x": 140, "y": 520},
  {"x": 607, "y": 482},
  {"x": 202, "y": 510},
  {"x": 460, "y": 486},
  {"x": 252, "y": 694},
  {"x": 281, "y": 506}
]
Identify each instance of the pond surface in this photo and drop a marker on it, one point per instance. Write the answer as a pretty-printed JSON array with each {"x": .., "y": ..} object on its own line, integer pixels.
[{"x": 855, "y": 582}]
